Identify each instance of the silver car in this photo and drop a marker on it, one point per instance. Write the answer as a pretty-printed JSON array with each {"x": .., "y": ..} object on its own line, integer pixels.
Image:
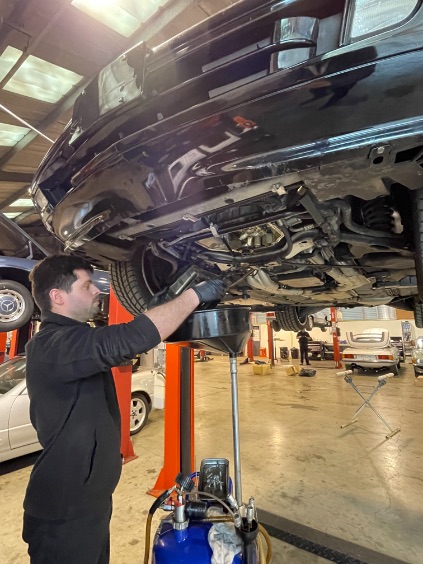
[{"x": 18, "y": 436}]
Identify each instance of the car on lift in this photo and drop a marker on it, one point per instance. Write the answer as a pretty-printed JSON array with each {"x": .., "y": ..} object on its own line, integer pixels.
[
  {"x": 18, "y": 436},
  {"x": 371, "y": 350},
  {"x": 19, "y": 253},
  {"x": 276, "y": 145}
]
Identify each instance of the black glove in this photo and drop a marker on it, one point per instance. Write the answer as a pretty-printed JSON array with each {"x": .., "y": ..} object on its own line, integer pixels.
[{"x": 210, "y": 291}]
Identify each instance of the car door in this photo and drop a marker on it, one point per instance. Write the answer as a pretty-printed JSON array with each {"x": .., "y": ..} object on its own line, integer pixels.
[{"x": 21, "y": 431}]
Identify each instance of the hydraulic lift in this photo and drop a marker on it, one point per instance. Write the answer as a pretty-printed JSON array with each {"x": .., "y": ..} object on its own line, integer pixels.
[{"x": 206, "y": 517}]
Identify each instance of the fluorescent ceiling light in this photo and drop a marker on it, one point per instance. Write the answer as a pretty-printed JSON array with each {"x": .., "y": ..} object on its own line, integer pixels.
[
  {"x": 42, "y": 80},
  {"x": 8, "y": 59},
  {"x": 22, "y": 203},
  {"x": 11, "y": 134},
  {"x": 124, "y": 16},
  {"x": 11, "y": 215}
]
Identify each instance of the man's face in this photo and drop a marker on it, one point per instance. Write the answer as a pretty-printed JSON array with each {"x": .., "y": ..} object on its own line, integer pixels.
[{"x": 82, "y": 302}]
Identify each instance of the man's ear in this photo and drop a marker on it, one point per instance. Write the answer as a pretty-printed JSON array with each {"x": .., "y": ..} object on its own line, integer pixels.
[{"x": 56, "y": 296}]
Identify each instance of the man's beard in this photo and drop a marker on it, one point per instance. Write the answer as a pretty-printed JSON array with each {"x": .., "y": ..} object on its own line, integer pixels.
[{"x": 88, "y": 313}]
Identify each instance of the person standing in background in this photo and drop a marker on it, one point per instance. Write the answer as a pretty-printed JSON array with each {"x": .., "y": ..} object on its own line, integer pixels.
[{"x": 303, "y": 339}]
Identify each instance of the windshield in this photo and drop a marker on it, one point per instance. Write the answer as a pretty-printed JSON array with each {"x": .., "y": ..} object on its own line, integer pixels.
[{"x": 11, "y": 373}]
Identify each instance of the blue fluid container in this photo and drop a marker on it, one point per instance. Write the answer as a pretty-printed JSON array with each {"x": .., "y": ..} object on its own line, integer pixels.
[{"x": 184, "y": 547}]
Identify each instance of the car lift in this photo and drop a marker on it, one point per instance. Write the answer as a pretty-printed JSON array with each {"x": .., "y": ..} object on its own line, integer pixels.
[
  {"x": 123, "y": 378},
  {"x": 381, "y": 381}
]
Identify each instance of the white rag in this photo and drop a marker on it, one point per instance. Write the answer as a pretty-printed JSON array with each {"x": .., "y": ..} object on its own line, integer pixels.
[{"x": 224, "y": 543}]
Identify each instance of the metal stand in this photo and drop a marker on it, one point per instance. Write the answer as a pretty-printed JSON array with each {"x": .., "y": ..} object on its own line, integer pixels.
[
  {"x": 381, "y": 381},
  {"x": 235, "y": 429}
]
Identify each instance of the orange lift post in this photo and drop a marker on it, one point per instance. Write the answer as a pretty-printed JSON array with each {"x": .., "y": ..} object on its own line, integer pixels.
[
  {"x": 3, "y": 340},
  {"x": 20, "y": 337},
  {"x": 336, "y": 349},
  {"x": 123, "y": 380},
  {"x": 270, "y": 344},
  {"x": 178, "y": 416}
]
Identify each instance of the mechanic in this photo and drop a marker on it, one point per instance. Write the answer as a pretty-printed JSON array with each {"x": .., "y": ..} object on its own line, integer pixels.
[
  {"x": 74, "y": 408},
  {"x": 303, "y": 339}
]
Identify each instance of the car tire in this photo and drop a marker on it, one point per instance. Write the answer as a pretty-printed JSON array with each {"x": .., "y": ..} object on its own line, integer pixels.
[
  {"x": 139, "y": 412},
  {"x": 135, "y": 282},
  {"x": 290, "y": 320},
  {"x": 16, "y": 305},
  {"x": 418, "y": 314},
  {"x": 395, "y": 370}
]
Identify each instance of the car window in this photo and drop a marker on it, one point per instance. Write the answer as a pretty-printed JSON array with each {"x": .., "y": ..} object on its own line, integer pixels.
[{"x": 11, "y": 373}]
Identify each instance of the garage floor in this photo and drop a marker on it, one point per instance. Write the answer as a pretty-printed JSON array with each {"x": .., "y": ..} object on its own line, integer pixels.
[{"x": 345, "y": 488}]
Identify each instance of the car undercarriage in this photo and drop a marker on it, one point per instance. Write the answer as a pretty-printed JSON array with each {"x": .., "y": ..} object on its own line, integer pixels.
[{"x": 268, "y": 148}]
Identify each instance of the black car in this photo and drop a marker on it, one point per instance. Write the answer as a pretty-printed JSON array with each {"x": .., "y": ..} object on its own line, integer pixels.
[{"x": 278, "y": 145}]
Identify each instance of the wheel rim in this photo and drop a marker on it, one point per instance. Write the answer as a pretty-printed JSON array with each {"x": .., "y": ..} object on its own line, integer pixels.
[
  {"x": 138, "y": 414},
  {"x": 12, "y": 306}
]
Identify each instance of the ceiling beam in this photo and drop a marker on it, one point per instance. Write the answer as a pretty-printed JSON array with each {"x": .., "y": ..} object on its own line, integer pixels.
[
  {"x": 49, "y": 120},
  {"x": 162, "y": 18},
  {"x": 15, "y": 177},
  {"x": 19, "y": 194}
]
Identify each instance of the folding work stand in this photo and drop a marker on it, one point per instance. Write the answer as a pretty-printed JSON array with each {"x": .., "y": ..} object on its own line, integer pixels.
[{"x": 381, "y": 381}]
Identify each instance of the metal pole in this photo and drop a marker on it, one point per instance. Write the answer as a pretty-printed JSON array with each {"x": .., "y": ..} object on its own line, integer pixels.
[{"x": 235, "y": 428}]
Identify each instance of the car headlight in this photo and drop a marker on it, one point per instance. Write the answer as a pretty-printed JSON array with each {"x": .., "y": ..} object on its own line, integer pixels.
[{"x": 367, "y": 17}]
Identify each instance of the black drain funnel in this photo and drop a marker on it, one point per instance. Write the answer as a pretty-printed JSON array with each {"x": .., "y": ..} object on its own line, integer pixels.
[{"x": 226, "y": 329}]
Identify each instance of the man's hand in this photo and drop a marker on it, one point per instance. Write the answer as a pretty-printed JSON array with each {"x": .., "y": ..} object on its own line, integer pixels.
[{"x": 210, "y": 291}]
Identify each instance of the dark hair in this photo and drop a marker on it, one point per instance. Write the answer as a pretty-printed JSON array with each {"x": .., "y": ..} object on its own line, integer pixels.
[{"x": 55, "y": 271}]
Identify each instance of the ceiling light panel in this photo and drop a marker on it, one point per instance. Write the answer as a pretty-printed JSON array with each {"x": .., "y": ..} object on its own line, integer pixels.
[
  {"x": 22, "y": 203},
  {"x": 11, "y": 215},
  {"x": 124, "y": 16},
  {"x": 8, "y": 59},
  {"x": 11, "y": 134},
  {"x": 42, "y": 80}
]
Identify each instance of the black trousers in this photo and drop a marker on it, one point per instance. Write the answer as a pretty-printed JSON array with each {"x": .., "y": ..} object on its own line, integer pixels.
[
  {"x": 85, "y": 540},
  {"x": 304, "y": 355}
]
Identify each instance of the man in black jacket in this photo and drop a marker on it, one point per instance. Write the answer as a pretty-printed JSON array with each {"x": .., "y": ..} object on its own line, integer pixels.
[
  {"x": 74, "y": 407},
  {"x": 303, "y": 339}
]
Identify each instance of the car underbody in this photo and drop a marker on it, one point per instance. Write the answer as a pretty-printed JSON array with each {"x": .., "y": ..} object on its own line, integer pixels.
[{"x": 291, "y": 165}]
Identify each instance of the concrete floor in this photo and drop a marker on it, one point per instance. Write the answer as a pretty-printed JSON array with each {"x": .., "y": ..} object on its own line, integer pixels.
[{"x": 298, "y": 463}]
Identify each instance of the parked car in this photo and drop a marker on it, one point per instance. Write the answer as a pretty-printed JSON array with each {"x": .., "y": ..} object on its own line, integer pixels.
[
  {"x": 417, "y": 357},
  {"x": 19, "y": 253},
  {"x": 147, "y": 393},
  {"x": 277, "y": 145},
  {"x": 371, "y": 350},
  {"x": 18, "y": 436}
]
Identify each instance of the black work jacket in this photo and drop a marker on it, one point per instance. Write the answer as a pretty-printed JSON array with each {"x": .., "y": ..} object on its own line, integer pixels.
[
  {"x": 303, "y": 338},
  {"x": 75, "y": 412}
]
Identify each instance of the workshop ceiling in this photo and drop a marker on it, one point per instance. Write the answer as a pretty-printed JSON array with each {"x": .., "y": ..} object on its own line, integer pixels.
[{"x": 49, "y": 51}]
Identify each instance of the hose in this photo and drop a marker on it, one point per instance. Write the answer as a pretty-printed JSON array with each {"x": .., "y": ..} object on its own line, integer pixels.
[
  {"x": 260, "y": 546},
  {"x": 225, "y": 505},
  {"x": 147, "y": 538},
  {"x": 151, "y": 512},
  {"x": 266, "y": 536}
]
